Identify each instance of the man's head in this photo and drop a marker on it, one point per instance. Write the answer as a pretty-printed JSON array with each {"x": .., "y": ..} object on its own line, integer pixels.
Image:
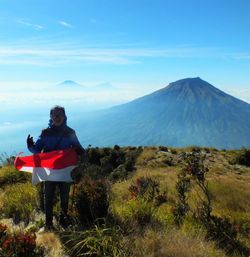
[{"x": 57, "y": 115}]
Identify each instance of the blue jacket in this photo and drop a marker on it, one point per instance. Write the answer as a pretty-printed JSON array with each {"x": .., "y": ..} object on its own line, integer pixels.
[{"x": 56, "y": 138}]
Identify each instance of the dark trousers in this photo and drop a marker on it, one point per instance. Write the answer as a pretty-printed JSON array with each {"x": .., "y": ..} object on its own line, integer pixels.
[{"x": 49, "y": 194}]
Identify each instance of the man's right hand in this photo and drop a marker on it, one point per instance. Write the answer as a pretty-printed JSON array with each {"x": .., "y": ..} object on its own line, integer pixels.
[{"x": 30, "y": 141}]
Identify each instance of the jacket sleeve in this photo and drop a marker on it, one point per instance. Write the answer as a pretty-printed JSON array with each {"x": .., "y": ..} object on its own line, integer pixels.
[
  {"x": 76, "y": 144},
  {"x": 74, "y": 140}
]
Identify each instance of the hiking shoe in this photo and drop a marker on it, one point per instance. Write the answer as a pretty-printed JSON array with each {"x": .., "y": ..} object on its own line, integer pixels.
[{"x": 64, "y": 220}]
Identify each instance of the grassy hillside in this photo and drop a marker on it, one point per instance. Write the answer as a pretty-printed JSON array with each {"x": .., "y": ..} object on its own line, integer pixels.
[{"x": 152, "y": 201}]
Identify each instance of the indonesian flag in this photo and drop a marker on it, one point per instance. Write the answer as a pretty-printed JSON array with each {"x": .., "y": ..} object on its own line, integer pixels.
[{"x": 51, "y": 166}]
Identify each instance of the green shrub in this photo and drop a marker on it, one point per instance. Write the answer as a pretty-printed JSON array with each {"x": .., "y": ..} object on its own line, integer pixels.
[
  {"x": 19, "y": 244},
  {"x": 163, "y": 148},
  {"x": 242, "y": 157},
  {"x": 173, "y": 151},
  {"x": 3, "y": 233},
  {"x": 10, "y": 175},
  {"x": 104, "y": 162},
  {"x": 181, "y": 207},
  {"x": 142, "y": 212},
  {"x": 149, "y": 190},
  {"x": 19, "y": 201},
  {"x": 168, "y": 160},
  {"x": 91, "y": 199},
  {"x": 219, "y": 229},
  {"x": 119, "y": 173}
]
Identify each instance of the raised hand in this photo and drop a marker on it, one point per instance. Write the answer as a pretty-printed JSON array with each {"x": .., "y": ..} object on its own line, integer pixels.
[{"x": 30, "y": 141}]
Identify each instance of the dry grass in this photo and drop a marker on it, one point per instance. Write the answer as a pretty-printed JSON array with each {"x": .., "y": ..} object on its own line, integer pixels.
[
  {"x": 11, "y": 226},
  {"x": 147, "y": 155},
  {"x": 51, "y": 243},
  {"x": 230, "y": 194},
  {"x": 9, "y": 175},
  {"x": 230, "y": 189},
  {"x": 121, "y": 203},
  {"x": 171, "y": 243}
]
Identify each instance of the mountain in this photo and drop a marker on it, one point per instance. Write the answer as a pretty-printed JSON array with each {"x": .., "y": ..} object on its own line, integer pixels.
[
  {"x": 186, "y": 112},
  {"x": 104, "y": 86},
  {"x": 69, "y": 84}
]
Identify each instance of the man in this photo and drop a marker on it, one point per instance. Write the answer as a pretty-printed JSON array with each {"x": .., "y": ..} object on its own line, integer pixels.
[{"x": 57, "y": 136}]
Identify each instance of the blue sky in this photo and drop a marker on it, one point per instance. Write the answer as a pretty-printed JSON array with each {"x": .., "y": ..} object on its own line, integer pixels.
[{"x": 136, "y": 46}]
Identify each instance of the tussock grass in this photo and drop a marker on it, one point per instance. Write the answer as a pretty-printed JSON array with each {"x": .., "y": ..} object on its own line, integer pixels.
[
  {"x": 98, "y": 241},
  {"x": 18, "y": 202},
  {"x": 126, "y": 209},
  {"x": 231, "y": 200},
  {"x": 11, "y": 226},
  {"x": 167, "y": 176},
  {"x": 149, "y": 229},
  {"x": 51, "y": 243},
  {"x": 230, "y": 195},
  {"x": 171, "y": 243},
  {"x": 147, "y": 155}
]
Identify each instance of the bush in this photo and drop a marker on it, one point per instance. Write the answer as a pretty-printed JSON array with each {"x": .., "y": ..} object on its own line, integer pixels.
[
  {"x": 148, "y": 189},
  {"x": 163, "y": 148},
  {"x": 168, "y": 160},
  {"x": 217, "y": 228},
  {"x": 20, "y": 245},
  {"x": 120, "y": 173},
  {"x": 9, "y": 175},
  {"x": 19, "y": 201},
  {"x": 3, "y": 233},
  {"x": 104, "y": 162},
  {"x": 181, "y": 207},
  {"x": 91, "y": 199},
  {"x": 141, "y": 211},
  {"x": 242, "y": 157}
]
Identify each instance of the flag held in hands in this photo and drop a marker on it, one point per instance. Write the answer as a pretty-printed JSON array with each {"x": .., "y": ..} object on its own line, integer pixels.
[{"x": 51, "y": 166}]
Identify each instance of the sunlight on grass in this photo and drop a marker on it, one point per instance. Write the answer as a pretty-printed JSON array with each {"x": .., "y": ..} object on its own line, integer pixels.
[
  {"x": 19, "y": 201},
  {"x": 171, "y": 243},
  {"x": 51, "y": 243},
  {"x": 9, "y": 175}
]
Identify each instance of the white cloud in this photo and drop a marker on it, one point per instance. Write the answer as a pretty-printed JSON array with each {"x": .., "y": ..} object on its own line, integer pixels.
[
  {"x": 65, "y": 24},
  {"x": 32, "y": 25},
  {"x": 6, "y": 124},
  {"x": 51, "y": 54},
  {"x": 241, "y": 93},
  {"x": 241, "y": 56},
  {"x": 60, "y": 55}
]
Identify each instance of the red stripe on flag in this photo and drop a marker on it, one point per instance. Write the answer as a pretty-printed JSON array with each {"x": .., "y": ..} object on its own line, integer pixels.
[{"x": 53, "y": 160}]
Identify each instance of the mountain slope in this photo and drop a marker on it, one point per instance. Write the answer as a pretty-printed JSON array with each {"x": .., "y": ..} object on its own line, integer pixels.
[
  {"x": 187, "y": 112},
  {"x": 69, "y": 84}
]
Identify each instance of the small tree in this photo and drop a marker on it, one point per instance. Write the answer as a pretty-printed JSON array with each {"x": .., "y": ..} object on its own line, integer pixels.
[{"x": 218, "y": 229}]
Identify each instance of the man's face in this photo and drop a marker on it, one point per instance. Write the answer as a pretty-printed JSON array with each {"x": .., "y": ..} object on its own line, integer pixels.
[{"x": 57, "y": 117}]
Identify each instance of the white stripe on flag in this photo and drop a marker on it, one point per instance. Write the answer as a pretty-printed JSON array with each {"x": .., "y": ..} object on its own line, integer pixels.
[{"x": 44, "y": 174}]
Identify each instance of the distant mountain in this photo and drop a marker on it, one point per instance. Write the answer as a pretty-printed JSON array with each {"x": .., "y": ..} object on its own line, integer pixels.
[
  {"x": 69, "y": 84},
  {"x": 186, "y": 112},
  {"x": 104, "y": 86}
]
